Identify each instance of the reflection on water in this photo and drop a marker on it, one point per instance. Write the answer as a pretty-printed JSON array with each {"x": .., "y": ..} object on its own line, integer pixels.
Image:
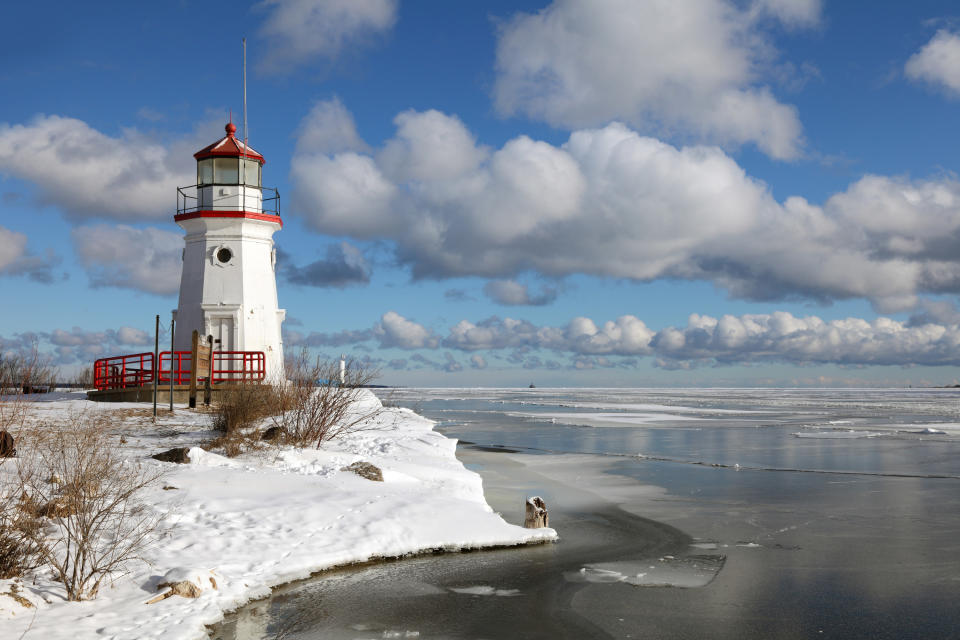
[{"x": 835, "y": 536}]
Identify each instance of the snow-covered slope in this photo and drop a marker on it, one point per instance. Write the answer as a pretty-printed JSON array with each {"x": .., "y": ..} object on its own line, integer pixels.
[{"x": 266, "y": 518}]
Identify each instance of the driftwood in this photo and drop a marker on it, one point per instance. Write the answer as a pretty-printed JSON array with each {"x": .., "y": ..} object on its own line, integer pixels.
[
  {"x": 536, "y": 516},
  {"x": 191, "y": 586}
]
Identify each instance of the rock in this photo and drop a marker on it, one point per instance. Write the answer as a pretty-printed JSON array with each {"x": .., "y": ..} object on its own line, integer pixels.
[
  {"x": 271, "y": 434},
  {"x": 7, "y": 450},
  {"x": 365, "y": 470},
  {"x": 536, "y": 515},
  {"x": 180, "y": 455}
]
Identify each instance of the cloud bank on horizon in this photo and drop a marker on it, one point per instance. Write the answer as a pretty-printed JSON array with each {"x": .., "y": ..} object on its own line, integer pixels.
[{"x": 778, "y": 337}]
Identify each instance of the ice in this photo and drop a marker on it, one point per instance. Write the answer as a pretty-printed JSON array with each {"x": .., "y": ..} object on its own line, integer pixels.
[
  {"x": 605, "y": 419},
  {"x": 485, "y": 590},
  {"x": 838, "y": 435},
  {"x": 686, "y": 572}
]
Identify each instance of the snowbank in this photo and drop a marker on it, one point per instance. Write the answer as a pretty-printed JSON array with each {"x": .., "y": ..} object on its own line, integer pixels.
[{"x": 265, "y": 518}]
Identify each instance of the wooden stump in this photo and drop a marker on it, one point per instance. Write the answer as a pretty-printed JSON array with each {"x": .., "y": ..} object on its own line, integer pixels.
[{"x": 537, "y": 515}]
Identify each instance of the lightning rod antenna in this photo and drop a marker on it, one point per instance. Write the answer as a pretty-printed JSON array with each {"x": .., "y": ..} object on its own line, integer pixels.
[{"x": 243, "y": 173}]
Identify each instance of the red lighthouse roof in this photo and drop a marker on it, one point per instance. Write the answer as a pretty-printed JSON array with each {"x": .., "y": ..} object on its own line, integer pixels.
[{"x": 228, "y": 146}]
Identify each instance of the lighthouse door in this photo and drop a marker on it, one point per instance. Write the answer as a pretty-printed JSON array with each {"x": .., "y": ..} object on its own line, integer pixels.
[{"x": 222, "y": 330}]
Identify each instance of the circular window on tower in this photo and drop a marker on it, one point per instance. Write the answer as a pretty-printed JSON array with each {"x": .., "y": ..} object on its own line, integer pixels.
[{"x": 224, "y": 255}]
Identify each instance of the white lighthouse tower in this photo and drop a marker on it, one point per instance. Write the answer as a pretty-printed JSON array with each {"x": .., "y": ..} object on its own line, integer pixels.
[{"x": 228, "y": 287}]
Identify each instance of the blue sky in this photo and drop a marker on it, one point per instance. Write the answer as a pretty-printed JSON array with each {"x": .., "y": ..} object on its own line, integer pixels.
[{"x": 697, "y": 192}]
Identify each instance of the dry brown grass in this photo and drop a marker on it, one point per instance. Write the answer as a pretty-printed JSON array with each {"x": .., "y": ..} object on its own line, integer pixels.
[{"x": 237, "y": 413}]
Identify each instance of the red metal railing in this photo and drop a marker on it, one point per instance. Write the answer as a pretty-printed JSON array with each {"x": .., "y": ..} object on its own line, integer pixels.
[{"x": 121, "y": 372}]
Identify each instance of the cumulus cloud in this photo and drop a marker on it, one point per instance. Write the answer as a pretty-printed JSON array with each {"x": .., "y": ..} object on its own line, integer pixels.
[
  {"x": 16, "y": 259},
  {"x": 298, "y": 31},
  {"x": 90, "y": 174},
  {"x": 781, "y": 337},
  {"x": 778, "y": 337},
  {"x": 13, "y": 246},
  {"x": 78, "y": 345},
  {"x": 343, "y": 266},
  {"x": 938, "y": 62},
  {"x": 610, "y": 202},
  {"x": 329, "y": 128},
  {"x": 394, "y": 330},
  {"x": 121, "y": 256},
  {"x": 512, "y": 293},
  {"x": 76, "y": 337},
  {"x": 691, "y": 67}
]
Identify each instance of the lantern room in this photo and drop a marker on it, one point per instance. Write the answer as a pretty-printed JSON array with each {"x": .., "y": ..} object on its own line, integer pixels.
[{"x": 228, "y": 180}]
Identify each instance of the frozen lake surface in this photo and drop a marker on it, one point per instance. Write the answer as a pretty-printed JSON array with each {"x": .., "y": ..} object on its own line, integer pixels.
[{"x": 746, "y": 513}]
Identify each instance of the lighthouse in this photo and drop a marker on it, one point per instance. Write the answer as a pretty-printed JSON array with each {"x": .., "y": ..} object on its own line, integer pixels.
[{"x": 228, "y": 285}]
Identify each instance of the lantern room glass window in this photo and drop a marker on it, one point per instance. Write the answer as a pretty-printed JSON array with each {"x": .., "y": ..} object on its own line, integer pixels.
[
  {"x": 205, "y": 171},
  {"x": 251, "y": 173},
  {"x": 228, "y": 171}
]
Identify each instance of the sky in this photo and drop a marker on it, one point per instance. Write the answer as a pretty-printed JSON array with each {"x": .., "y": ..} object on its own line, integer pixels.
[{"x": 566, "y": 193}]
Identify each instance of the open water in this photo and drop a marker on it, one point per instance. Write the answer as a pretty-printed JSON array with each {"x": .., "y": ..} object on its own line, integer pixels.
[{"x": 683, "y": 514}]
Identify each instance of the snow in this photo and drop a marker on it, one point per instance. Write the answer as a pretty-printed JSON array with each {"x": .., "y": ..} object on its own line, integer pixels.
[{"x": 262, "y": 519}]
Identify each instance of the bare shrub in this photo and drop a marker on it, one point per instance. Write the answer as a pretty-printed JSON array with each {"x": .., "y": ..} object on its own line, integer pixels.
[
  {"x": 93, "y": 498},
  {"x": 238, "y": 410},
  {"x": 20, "y": 547},
  {"x": 315, "y": 406},
  {"x": 243, "y": 405},
  {"x": 83, "y": 378}
]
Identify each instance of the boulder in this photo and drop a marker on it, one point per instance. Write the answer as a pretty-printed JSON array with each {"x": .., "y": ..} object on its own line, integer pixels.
[
  {"x": 365, "y": 470},
  {"x": 180, "y": 455},
  {"x": 271, "y": 434},
  {"x": 7, "y": 450}
]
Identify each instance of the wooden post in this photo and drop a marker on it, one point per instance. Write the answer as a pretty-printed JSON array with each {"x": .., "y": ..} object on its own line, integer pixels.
[
  {"x": 156, "y": 365},
  {"x": 173, "y": 324},
  {"x": 536, "y": 515},
  {"x": 194, "y": 345},
  {"x": 209, "y": 370}
]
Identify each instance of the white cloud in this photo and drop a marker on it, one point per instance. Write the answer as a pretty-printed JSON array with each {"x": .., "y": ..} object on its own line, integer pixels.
[
  {"x": 610, "y": 202},
  {"x": 13, "y": 246},
  {"x": 690, "y": 67},
  {"x": 778, "y": 337},
  {"x": 329, "y": 128},
  {"x": 394, "y": 330},
  {"x": 512, "y": 293},
  {"x": 16, "y": 259},
  {"x": 938, "y": 62},
  {"x": 90, "y": 174},
  {"x": 121, "y": 256},
  {"x": 298, "y": 31},
  {"x": 429, "y": 146},
  {"x": 781, "y": 337}
]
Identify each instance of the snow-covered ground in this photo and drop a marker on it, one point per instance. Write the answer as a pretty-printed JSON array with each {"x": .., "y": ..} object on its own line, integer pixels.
[{"x": 262, "y": 519}]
